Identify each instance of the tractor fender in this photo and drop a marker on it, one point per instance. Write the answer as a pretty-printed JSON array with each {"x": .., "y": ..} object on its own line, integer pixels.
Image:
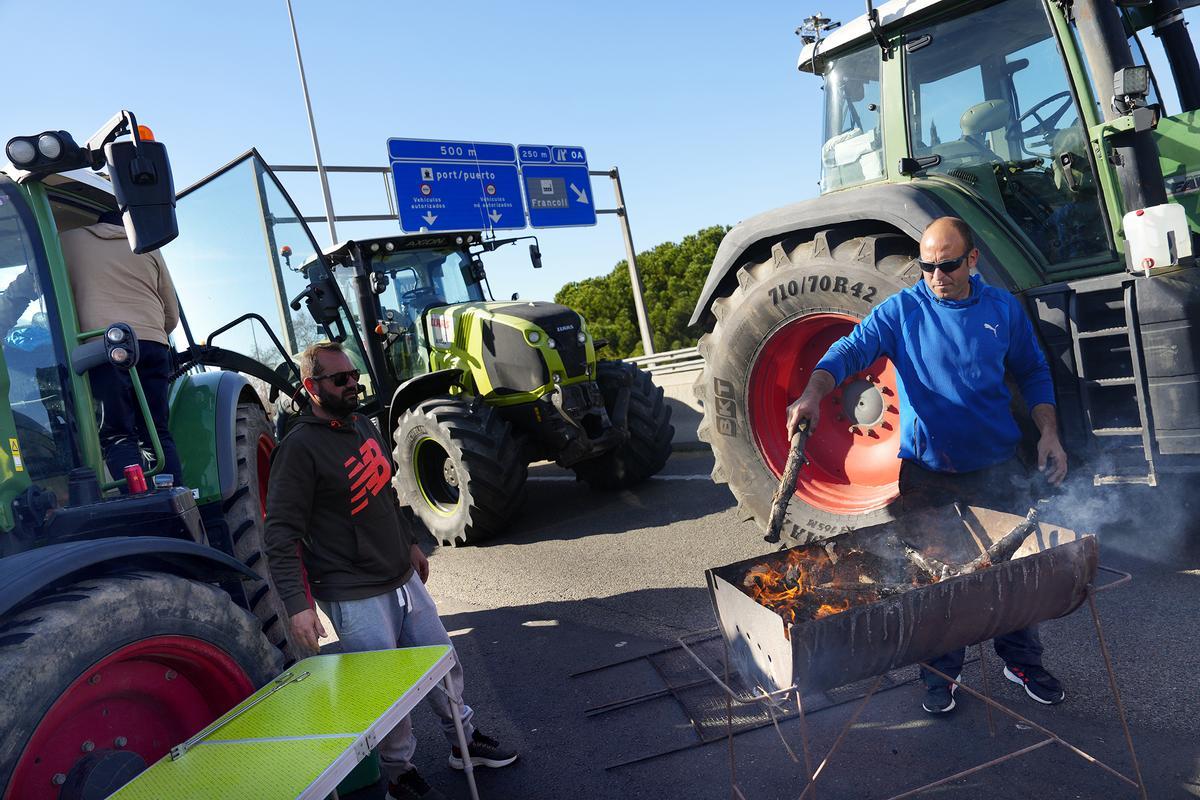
[
  {"x": 33, "y": 572},
  {"x": 414, "y": 390},
  {"x": 904, "y": 207},
  {"x": 204, "y": 414}
]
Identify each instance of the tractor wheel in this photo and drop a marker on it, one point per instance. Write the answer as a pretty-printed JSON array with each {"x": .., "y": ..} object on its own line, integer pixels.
[
  {"x": 458, "y": 468},
  {"x": 648, "y": 421},
  {"x": 102, "y": 678},
  {"x": 770, "y": 333},
  {"x": 245, "y": 514}
]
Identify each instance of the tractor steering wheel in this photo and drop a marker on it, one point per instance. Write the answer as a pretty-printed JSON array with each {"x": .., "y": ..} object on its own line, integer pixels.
[{"x": 1045, "y": 125}]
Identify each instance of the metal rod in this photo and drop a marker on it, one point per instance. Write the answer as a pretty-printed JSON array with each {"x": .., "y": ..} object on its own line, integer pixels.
[
  {"x": 286, "y": 679},
  {"x": 808, "y": 770},
  {"x": 1006, "y": 710},
  {"x": 973, "y": 770},
  {"x": 456, "y": 706},
  {"x": 729, "y": 728},
  {"x": 838, "y": 741},
  {"x": 635, "y": 277},
  {"x": 312, "y": 127},
  {"x": 1112, "y": 682},
  {"x": 987, "y": 691}
]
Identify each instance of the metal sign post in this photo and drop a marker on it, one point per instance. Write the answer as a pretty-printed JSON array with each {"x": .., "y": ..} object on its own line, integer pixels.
[
  {"x": 312, "y": 127},
  {"x": 635, "y": 277}
]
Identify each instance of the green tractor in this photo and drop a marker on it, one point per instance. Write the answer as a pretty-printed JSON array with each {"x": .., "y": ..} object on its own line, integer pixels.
[
  {"x": 472, "y": 390},
  {"x": 1037, "y": 122},
  {"x": 128, "y": 621}
]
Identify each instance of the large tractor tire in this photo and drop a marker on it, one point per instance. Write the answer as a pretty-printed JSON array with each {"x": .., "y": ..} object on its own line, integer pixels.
[
  {"x": 459, "y": 469},
  {"x": 245, "y": 514},
  {"x": 648, "y": 421},
  {"x": 102, "y": 678},
  {"x": 769, "y": 335}
]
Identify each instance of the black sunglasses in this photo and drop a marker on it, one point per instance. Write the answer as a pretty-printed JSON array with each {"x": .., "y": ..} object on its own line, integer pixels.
[
  {"x": 947, "y": 266},
  {"x": 339, "y": 379}
]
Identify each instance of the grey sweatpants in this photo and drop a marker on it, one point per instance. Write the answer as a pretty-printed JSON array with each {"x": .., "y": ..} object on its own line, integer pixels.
[{"x": 406, "y": 617}]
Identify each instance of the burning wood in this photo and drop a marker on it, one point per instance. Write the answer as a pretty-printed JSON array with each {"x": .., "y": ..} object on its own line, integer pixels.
[{"x": 810, "y": 583}]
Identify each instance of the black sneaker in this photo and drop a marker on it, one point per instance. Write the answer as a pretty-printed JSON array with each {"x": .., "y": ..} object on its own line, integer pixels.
[
  {"x": 940, "y": 699},
  {"x": 411, "y": 786},
  {"x": 485, "y": 752},
  {"x": 1039, "y": 684}
]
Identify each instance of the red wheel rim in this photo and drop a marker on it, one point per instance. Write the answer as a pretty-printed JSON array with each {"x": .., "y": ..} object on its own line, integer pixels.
[
  {"x": 263, "y": 451},
  {"x": 144, "y": 698},
  {"x": 852, "y": 465}
]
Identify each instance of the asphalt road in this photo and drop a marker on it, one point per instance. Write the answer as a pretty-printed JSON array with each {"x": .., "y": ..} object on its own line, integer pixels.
[{"x": 587, "y": 579}]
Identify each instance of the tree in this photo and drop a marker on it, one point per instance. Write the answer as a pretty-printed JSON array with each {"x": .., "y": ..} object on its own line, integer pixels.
[{"x": 672, "y": 275}]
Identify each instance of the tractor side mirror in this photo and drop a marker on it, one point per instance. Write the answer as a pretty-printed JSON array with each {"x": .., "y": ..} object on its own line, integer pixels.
[
  {"x": 321, "y": 300},
  {"x": 535, "y": 256},
  {"x": 145, "y": 192},
  {"x": 476, "y": 272},
  {"x": 515, "y": 296}
]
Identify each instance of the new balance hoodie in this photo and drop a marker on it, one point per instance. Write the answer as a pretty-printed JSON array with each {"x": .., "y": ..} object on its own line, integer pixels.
[
  {"x": 330, "y": 491},
  {"x": 950, "y": 358}
]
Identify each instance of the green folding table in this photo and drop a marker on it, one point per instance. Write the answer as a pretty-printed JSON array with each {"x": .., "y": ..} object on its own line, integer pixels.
[{"x": 299, "y": 735}]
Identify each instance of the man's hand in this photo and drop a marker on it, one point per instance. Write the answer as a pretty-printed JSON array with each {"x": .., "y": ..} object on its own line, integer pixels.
[
  {"x": 419, "y": 562},
  {"x": 1052, "y": 459},
  {"x": 808, "y": 405},
  {"x": 307, "y": 628}
]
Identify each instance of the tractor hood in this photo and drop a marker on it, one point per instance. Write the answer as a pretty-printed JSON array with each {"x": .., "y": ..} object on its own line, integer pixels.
[{"x": 514, "y": 350}]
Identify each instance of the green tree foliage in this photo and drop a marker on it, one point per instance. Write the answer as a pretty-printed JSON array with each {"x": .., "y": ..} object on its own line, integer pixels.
[{"x": 672, "y": 274}]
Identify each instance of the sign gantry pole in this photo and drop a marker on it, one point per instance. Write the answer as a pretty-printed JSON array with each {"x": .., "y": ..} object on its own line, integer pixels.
[{"x": 635, "y": 277}]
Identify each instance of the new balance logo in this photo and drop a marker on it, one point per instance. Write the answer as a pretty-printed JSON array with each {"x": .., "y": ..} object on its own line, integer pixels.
[
  {"x": 995, "y": 329},
  {"x": 369, "y": 473}
]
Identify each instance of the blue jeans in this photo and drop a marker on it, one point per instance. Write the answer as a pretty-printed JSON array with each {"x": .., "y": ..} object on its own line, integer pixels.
[
  {"x": 123, "y": 430},
  {"x": 406, "y": 617}
]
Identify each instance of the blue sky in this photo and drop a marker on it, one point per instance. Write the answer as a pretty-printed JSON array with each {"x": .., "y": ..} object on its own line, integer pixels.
[{"x": 699, "y": 105}]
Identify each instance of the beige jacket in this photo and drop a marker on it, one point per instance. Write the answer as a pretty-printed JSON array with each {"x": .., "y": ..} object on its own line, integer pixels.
[{"x": 111, "y": 283}]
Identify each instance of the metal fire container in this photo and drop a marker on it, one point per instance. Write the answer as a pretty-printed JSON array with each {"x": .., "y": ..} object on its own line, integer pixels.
[{"x": 1047, "y": 578}]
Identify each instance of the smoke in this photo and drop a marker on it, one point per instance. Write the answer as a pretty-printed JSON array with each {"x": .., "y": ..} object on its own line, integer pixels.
[{"x": 1160, "y": 523}]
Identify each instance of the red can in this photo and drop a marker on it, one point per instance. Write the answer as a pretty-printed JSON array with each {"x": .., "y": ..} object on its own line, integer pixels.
[{"x": 135, "y": 479}]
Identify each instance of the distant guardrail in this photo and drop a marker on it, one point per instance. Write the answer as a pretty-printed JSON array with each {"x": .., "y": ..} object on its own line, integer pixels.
[{"x": 686, "y": 359}]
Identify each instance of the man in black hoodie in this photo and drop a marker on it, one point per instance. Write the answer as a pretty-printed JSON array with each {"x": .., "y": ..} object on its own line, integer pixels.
[{"x": 330, "y": 492}]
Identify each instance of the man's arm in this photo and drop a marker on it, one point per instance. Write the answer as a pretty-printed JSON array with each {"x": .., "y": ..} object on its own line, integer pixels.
[
  {"x": 16, "y": 298},
  {"x": 852, "y": 353},
  {"x": 1028, "y": 366},
  {"x": 289, "y": 508},
  {"x": 166, "y": 291}
]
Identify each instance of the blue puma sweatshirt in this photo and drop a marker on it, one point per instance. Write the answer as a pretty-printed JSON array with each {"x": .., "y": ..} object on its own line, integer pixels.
[{"x": 950, "y": 358}]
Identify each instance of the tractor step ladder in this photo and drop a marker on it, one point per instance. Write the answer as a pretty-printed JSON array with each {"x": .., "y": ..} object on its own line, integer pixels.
[
  {"x": 1112, "y": 382},
  {"x": 302, "y": 733}
]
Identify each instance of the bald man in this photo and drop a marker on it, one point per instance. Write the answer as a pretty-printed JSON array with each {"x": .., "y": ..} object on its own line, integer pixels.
[{"x": 952, "y": 339}]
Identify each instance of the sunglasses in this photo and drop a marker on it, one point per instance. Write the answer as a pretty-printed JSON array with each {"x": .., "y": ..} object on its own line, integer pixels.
[
  {"x": 947, "y": 266},
  {"x": 340, "y": 379}
]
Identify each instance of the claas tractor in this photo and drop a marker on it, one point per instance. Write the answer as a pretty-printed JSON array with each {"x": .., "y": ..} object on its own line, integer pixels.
[
  {"x": 128, "y": 621},
  {"x": 1040, "y": 124},
  {"x": 471, "y": 390}
]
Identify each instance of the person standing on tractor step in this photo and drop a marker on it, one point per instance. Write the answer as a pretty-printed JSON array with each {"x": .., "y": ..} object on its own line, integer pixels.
[
  {"x": 330, "y": 491},
  {"x": 951, "y": 338},
  {"x": 111, "y": 283}
]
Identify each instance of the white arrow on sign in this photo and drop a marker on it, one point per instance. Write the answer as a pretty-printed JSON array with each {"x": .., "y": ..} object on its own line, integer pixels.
[
  {"x": 580, "y": 194},
  {"x": 494, "y": 217},
  {"x": 429, "y": 217}
]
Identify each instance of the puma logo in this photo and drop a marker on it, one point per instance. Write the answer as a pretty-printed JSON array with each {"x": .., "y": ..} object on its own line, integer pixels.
[{"x": 995, "y": 329}]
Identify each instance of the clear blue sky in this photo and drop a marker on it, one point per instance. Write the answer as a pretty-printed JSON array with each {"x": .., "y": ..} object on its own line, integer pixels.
[{"x": 700, "y": 105}]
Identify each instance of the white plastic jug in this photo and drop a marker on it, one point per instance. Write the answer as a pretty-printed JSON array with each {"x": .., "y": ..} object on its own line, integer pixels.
[{"x": 1157, "y": 237}]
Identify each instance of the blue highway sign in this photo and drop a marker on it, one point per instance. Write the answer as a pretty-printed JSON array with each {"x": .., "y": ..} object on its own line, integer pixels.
[
  {"x": 453, "y": 186},
  {"x": 558, "y": 188}
]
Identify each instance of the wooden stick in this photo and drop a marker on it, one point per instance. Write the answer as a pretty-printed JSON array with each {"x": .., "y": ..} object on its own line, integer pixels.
[
  {"x": 1002, "y": 550},
  {"x": 787, "y": 484}
]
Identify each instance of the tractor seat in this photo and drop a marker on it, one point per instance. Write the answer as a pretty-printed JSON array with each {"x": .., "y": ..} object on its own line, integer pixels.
[{"x": 977, "y": 120}]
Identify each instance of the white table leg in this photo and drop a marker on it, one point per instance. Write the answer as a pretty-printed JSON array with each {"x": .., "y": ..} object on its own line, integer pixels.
[{"x": 456, "y": 704}]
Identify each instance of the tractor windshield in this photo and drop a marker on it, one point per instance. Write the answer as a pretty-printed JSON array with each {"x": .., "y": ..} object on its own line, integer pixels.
[
  {"x": 419, "y": 280},
  {"x": 853, "y": 149},
  {"x": 988, "y": 94}
]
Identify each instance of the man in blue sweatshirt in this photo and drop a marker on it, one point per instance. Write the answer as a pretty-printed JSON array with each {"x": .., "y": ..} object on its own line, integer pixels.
[{"x": 951, "y": 339}]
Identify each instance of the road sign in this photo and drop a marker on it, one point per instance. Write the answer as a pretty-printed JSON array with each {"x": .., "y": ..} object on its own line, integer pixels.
[
  {"x": 558, "y": 189},
  {"x": 454, "y": 186}
]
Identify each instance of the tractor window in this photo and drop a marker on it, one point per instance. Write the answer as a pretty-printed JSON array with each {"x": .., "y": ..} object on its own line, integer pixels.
[
  {"x": 988, "y": 93},
  {"x": 853, "y": 149},
  {"x": 242, "y": 248},
  {"x": 36, "y": 376}
]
